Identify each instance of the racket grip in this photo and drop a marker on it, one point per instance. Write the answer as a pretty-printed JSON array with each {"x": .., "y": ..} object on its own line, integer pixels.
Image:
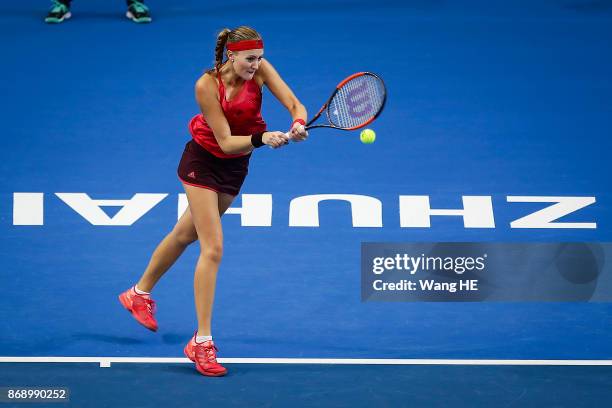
[{"x": 288, "y": 134}]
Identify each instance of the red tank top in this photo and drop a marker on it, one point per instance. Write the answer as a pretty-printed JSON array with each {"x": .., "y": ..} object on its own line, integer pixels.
[{"x": 243, "y": 114}]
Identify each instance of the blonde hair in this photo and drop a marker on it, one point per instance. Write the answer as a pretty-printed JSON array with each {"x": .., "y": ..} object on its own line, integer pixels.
[{"x": 231, "y": 36}]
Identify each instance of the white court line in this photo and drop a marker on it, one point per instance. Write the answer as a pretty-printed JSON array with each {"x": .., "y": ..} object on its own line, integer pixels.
[{"x": 107, "y": 361}]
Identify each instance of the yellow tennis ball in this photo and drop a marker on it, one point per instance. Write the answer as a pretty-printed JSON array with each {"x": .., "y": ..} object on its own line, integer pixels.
[{"x": 367, "y": 136}]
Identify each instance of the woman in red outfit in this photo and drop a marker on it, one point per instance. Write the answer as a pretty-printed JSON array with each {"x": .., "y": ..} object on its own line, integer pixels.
[{"x": 212, "y": 170}]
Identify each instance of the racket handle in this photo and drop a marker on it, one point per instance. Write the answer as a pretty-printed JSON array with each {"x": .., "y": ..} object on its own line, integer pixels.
[{"x": 288, "y": 134}]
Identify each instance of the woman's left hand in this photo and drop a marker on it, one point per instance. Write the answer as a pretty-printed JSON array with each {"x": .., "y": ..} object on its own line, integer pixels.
[{"x": 298, "y": 133}]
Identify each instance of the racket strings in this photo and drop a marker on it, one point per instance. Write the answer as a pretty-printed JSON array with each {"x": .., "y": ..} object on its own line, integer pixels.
[{"x": 356, "y": 102}]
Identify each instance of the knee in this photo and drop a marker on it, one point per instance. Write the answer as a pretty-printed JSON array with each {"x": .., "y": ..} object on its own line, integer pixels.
[
  {"x": 184, "y": 238},
  {"x": 212, "y": 251}
]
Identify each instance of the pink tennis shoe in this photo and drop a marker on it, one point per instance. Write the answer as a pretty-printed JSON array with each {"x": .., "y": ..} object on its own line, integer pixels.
[
  {"x": 142, "y": 308},
  {"x": 204, "y": 355}
]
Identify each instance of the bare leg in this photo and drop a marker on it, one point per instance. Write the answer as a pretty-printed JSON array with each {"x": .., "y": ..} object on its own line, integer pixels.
[
  {"x": 173, "y": 245},
  {"x": 168, "y": 251},
  {"x": 204, "y": 206}
]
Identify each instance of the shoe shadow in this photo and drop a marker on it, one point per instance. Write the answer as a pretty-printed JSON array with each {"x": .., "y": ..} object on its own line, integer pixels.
[
  {"x": 99, "y": 15},
  {"x": 104, "y": 338},
  {"x": 174, "y": 338},
  {"x": 189, "y": 369},
  {"x": 186, "y": 369}
]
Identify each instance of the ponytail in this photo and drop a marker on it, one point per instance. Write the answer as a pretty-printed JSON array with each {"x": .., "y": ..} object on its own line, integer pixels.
[{"x": 221, "y": 41}]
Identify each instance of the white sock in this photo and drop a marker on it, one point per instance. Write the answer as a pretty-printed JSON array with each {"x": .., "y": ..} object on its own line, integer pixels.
[
  {"x": 202, "y": 339},
  {"x": 140, "y": 292}
]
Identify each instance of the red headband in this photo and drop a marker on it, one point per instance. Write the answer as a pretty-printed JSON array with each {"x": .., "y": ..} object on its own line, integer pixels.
[{"x": 245, "y": 45}]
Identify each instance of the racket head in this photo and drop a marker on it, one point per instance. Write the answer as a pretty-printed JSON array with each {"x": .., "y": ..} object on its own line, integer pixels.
[{"x": 357, "y": 101}]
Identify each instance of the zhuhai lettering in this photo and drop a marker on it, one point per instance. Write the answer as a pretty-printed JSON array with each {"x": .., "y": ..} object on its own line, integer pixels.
[{"x": 255, "y": 210}]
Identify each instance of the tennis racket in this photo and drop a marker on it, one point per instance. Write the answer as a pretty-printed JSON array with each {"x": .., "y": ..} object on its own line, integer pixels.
[{"x": 355, "y": 102}]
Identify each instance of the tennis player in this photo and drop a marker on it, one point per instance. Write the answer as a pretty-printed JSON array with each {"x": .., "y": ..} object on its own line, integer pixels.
[{"x": 212, "y": 169}]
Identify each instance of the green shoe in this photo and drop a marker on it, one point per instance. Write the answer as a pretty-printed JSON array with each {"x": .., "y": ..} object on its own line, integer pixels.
[
  {"x": 58, "y": 13},
  {"x": 138, "y": 12}
]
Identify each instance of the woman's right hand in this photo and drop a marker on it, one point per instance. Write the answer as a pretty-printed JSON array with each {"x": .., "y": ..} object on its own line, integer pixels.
[{"x": 275, "y": 139}]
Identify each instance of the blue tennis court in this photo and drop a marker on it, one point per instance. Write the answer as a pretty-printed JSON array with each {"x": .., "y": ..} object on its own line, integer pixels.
[{"x": 509, "y": 103}]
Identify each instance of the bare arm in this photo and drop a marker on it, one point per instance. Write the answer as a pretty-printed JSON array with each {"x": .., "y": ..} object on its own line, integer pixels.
[
  {"x": 281, "y": 91},
  {"x": 207, "y": 97}
]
